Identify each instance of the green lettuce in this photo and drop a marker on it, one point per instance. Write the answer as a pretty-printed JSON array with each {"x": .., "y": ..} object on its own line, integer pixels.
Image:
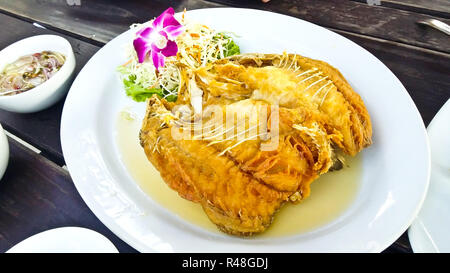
[
  {"x": 140, "y": 94},
  {"x": 231, "y": 48}
]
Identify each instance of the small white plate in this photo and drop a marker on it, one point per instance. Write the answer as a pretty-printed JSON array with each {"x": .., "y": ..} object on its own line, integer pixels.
[
  {"x": 65, "y": 240},
  {"x": 430, "y": 232},
  {"x": 4, "y": 152},
  {"x": 393, "y": 183}
]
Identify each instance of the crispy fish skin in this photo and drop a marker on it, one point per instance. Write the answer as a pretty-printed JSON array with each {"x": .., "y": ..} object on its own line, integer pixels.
[
  {"x": 298, "y": 159},
  {"x": 285, "y": 80},
  {"x": 240, "y": 192},
  {"x": 240, "y": 186},
  {"x": 235, "y": 201}
]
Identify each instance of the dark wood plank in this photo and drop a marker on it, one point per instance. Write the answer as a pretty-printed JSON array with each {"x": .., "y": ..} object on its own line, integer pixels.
[
  {"x": 438, "y": 8},
  {"x": 41, "y": 198},
  {"x": 439, "y": 5},
  {"x": 360, "y": 18},
  {"x": 433, "y": 7},
  {"x": 39, "y": 129},
  {"x": 101, "y": 21},
  {"x": 402, "y": 245},
  {"x": 95, "y": 20}
]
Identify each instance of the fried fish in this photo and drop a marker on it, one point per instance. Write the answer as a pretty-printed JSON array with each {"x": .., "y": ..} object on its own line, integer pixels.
[{"x": 295, "y": 115}]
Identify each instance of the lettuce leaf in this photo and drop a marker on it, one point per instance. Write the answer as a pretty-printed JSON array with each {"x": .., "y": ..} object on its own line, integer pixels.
[
  {"x": 231, "y": 48},
  {"x": 140, "y": 94}
]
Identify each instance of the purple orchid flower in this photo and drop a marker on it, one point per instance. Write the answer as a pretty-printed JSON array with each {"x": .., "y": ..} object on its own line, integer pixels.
[{"x": 158, "y": 39}]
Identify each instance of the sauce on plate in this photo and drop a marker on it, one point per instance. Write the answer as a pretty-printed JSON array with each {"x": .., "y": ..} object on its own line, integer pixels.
[{"x": 331, "y": 194}]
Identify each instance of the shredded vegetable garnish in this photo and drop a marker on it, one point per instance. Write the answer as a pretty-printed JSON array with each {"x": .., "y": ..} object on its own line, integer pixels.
[
  {"x": 29, "y": 71},
  {"x": 198, "y": 45}
]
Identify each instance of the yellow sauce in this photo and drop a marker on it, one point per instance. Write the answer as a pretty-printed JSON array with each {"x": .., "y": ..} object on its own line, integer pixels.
[{"x": 331, "y": 194}]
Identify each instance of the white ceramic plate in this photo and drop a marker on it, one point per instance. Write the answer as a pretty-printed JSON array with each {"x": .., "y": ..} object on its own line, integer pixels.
[
  {"x": 393, "y": 183},
  {"x": 65, "y": 240},
  {"x": 4, "y": 152},
  {"x": 430, "y": 231}
]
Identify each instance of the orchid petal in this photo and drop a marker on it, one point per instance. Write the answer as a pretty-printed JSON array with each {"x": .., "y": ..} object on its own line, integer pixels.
[
  {"x": 170, "y": 50},
  {"x": 158, "y": 59},
  {"x": 174, "y": 30},
  {"x": 163, "y": 33},
  {"x": 166, "y": 19},
  {"x": 158, "y": 40},
  {"x": 142, "y": 48},
  {"x": 145, "y": 32}
]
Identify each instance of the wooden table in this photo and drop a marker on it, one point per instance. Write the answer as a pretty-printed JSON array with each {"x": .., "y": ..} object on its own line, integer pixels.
[{"x": 37, "y": 193}]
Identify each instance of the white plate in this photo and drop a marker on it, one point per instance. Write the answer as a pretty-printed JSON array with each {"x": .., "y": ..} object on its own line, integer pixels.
[
  {"x": 65, "y": 240},
  {"x": 393, "y": 183},
  {"x": 430, "y": 231},
  {"x": 4, "y": 152}
]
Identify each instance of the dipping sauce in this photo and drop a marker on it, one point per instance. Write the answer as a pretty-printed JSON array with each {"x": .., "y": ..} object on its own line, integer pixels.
[{"x": 29, "y": 71}]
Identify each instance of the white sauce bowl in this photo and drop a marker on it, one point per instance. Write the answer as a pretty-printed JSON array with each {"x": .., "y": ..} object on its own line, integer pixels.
[
  {"x": 47, "y": 93},
  {"x": 4, "y": 152}
]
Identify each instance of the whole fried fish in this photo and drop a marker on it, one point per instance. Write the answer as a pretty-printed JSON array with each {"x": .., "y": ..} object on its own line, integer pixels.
[{"x": 283, "y": 119}]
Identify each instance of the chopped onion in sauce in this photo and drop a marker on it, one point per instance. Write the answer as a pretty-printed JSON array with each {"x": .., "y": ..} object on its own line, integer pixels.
[{"x": 29, "y": 71}]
